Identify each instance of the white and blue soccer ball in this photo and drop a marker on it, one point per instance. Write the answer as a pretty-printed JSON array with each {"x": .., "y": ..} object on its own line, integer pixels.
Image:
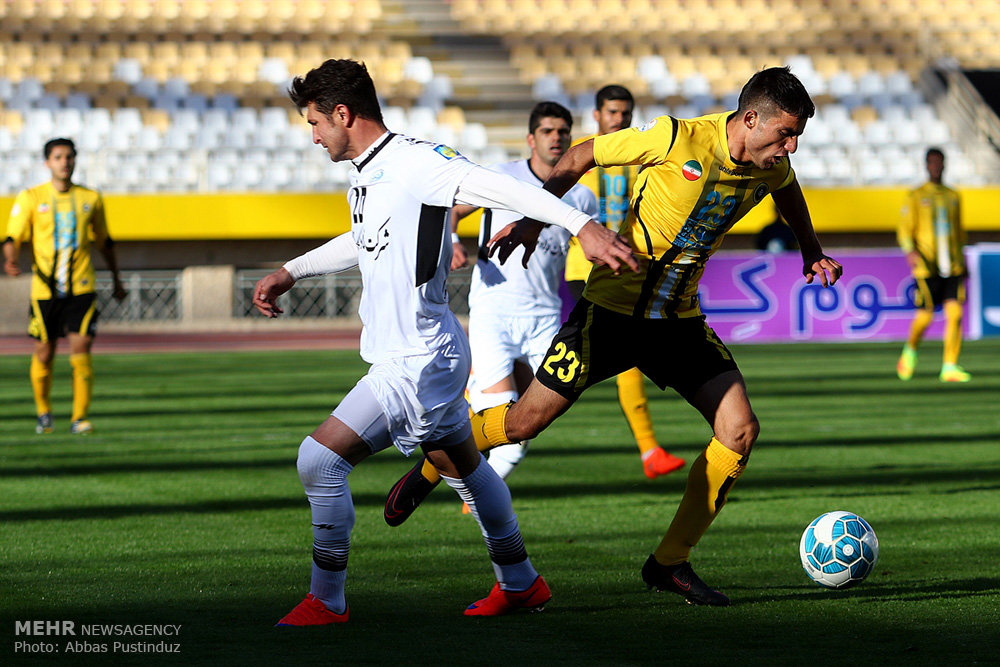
[{"x": 838, "y": 549}]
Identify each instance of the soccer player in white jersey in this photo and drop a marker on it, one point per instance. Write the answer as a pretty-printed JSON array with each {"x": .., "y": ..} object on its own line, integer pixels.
[
  {"x": 514, "y": 311},
  {"x": 400, "y": 196}
]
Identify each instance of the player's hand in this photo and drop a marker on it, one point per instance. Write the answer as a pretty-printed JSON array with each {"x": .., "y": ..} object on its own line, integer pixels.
[
  {"x": 268, "y": 289},
  {"x": 11, "y": 268},
  {"x": 914, "y": 259},
  {"x": 119, "y": 292},
  {"x": 828, "y": 269},
  {"x": 606, "y": 248},
  {"x": 523, "y": 232},
  {"x": 459, "y": 257}
]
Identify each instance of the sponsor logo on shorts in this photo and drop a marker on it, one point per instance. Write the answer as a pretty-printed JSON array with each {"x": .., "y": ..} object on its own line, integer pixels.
[{"x": 691, "y": 170}]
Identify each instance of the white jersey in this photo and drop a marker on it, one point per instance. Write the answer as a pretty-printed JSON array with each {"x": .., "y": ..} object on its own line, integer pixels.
[
  {"x": 509, "y": 288},
  {"x": 401, "y": 192}
]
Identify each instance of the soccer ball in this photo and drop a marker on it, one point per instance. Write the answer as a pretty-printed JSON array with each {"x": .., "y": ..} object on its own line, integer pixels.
[{"x": 838, "y": 549}]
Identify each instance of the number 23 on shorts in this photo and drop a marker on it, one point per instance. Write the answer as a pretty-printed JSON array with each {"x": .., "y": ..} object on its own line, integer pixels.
[{"x": 562, "y": 364}]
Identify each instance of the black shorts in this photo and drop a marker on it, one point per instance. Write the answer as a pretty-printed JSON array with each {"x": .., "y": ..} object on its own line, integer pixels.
[
  {"x": 54, "y": 318},
  {"x": 596, "y": 343},
  {"x": 934, "y": 291}
]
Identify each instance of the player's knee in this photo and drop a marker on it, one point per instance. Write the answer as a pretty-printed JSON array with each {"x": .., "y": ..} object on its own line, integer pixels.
[
  {"x": 741, "y": 436},
  {"x": 319, "y": 466}
]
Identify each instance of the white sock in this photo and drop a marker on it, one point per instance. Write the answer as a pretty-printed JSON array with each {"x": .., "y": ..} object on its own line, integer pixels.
[
  {"x": 324, "y": 475},
  {"x": 489, "y": 501},
  {"x": 504, "y": 459}
]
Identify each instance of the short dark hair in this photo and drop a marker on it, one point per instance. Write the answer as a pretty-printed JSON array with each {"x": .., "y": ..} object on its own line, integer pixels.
[
  {"x": 612, "y": 92},
  {"x": 776, "y": 88},
  {"x": 548, "y": 110},
  {"x": 336, "y": 82},
  {"x": 60, "y": 141},
  {"x": 934, "y": 150}
]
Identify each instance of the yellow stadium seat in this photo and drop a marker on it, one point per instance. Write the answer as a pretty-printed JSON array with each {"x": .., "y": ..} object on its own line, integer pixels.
[
  {"x": 166, "y": 51},
  {"x": 157, "y": 118},
  {"x": 453, "y": 117},
  {"x": 137, "y": 50},
  {"x": 134, "y": 102},
  {"x": 12, "y": 120}
]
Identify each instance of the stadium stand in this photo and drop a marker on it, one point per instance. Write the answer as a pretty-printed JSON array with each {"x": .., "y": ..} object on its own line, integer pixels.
[{"x": 199, "y": 84}]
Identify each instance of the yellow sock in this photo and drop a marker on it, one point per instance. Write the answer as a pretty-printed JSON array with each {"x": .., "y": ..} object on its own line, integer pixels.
[
  {"x": 921, "y": 321},
  {"x": 635, "y": 405},
  {"x": 83, "y": 384},
  {"x": 487, "y": 429},
  {"x": 712, "y": 474},
  {"x": 953, "y": 331},
  {"x": 41, "y": 384}
]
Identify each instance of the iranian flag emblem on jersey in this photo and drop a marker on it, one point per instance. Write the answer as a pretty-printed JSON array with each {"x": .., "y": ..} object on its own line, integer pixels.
[{"x": 691, "y": 170}]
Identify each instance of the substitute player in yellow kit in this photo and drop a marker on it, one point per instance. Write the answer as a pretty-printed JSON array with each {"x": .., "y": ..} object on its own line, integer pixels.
[
  {"x": 930, "y": 233},
  {"x": 698, "y": 178},
  {"x": 612, "y": 185},
  {"x": 61, "y": 220}
]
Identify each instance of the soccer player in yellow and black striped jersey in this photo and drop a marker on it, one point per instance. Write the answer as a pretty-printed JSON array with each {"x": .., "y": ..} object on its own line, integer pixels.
[
  {"x": 930, "y": 233},
  {"x": 697, "y": 178},
  {"x": 61, "y": 220},
  {"x": 613, "y": 186}
]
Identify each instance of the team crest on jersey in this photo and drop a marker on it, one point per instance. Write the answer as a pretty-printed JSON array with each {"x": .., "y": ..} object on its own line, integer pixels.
[
  {"x": 446, "y": 152},
  {"x": 759, "y": 192},
  {"x": 691, "y": 170},
  {"x": 378, "y": 241},
  {"x": 648, "y": 126},
  {"x": 86, "y": 208},
  {"x": 43, "y": 208}
]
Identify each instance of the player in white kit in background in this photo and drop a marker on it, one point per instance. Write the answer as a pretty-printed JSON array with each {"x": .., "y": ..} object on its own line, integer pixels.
[
  {"x": 400, "y": 196},
  {"x": 514, "y": 310}
]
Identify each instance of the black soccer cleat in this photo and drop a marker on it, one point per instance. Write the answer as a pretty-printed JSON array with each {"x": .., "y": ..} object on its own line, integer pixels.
[
  {"x": 682, "y": 580},
  {"x": 407, "y": 494}
]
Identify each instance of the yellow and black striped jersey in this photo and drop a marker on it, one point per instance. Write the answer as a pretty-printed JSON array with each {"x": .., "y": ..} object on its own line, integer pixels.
[
  {"x": 931, "y": 224},
  {"x": 612, "y": 185},
  {"x": 689, "y": 192},
  {"x": 61, "y": 227}
]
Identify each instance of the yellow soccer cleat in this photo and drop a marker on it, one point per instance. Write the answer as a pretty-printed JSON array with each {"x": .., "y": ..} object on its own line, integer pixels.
[
  {"x": 907, "y": 362},
  {"x": 953, "y": 373}
]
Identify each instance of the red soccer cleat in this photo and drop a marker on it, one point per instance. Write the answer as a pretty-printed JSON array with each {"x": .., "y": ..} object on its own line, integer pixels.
[
  {"x": 659, "y": 461},
  {"x": 311, "y": 611},
  {"x": 500, "y": 602}
]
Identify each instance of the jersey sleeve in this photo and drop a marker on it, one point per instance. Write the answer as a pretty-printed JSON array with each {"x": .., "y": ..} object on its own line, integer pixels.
[
  {"x": 19, "y": 223},
  {"x": 648, "y": 144},
  {"x": 789, "y": 177},
  {"x": 433, "y": 173}
]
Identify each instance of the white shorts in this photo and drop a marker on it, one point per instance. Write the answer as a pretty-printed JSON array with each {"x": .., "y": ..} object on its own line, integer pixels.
[
  {"x": 498, "y": 341},
  {"x": 420, "y": 398}
]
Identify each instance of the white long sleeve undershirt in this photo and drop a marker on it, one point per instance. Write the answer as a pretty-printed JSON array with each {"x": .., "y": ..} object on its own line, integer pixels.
[
  {"x": 489, "y": 189},
  {"x": 337, "y": 254}
]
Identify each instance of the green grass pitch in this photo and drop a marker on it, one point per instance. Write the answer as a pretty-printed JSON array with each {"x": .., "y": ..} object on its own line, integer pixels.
[{"x": 184, "y": 507}]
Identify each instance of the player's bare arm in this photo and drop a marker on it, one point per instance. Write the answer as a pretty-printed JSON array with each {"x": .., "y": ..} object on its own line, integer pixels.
[
  {"x": 792, "y": 206},
  {"x": 108, "y": 253},
  {"x": 459, "y": 256},
  {"x": 268, "y": 289},
  {"x": 10, "y": 254},
  {"x": 577, "y": 161}
]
